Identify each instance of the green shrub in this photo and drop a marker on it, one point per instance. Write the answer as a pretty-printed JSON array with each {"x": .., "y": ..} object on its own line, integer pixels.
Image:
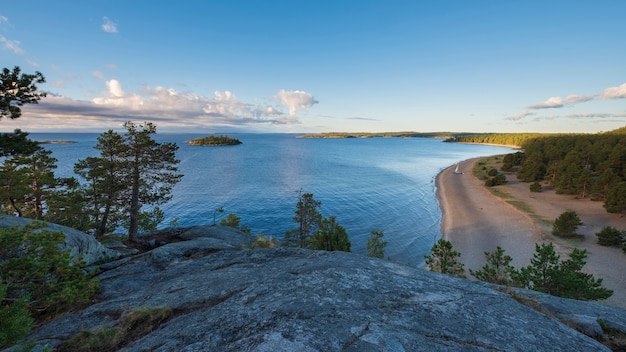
[
  {"x": 566, "y": 225},
  {"x": 492, "y": 172},
  {"x": 560, "y": 278},
  {"x": 497, "y": 270},
  {"x": 376, "y": 245},
  {"x": 231, "y": 220},
  {"x": 264, "y": 242},
  {"x": 34, "y": 266},
  {"x": 444, "y": 259},
  {"x": 610, "y": 236},
  {"x": 330, "y": 237},
  {"x": 15, "y": 319},
  {"x": 535, "y": 187}
]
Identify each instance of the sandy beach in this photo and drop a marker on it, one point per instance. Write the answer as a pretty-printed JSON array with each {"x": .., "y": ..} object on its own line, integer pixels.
[{"x": 476, "y": 221}]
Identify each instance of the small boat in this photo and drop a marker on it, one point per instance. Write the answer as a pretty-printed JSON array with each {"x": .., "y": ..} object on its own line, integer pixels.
[{"x": 456, "y": 170}]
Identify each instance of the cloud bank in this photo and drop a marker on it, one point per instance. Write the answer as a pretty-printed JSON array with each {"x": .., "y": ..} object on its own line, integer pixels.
[{"x": 172, "y": 108}]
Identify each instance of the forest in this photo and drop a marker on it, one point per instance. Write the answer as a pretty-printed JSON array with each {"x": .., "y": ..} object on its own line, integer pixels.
[{"x": 589, "y": 166}]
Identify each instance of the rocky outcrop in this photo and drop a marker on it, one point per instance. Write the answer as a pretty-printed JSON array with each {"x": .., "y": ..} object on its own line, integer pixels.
[
  {"x": 225, "y": 297},
  {"x": 78, "y": 243}
]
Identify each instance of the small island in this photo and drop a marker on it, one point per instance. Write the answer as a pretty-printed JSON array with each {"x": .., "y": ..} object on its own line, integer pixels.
[{"x": 214, "y": 141}]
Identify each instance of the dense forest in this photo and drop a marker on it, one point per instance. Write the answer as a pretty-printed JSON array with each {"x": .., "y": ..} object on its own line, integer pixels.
[
  {"x": 512, "y": 139},
  {"x": 589, "y": 166}
]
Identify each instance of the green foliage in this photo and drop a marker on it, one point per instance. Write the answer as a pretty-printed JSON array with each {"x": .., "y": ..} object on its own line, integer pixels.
[
  {"x": 16, "y": 143},
  {"x": 17, "y": 89},
  {"x": 492, "y": 172},
  {"x": 497, "y": 270},
  {"x": 535, "y": 187},
  {"x": 330, "y": 237},
  {"x": 38, "y": 279},
  {"x": 560, "y": 278},
  {"x": 444, "y": 259},
  {"x": 132, "y": 171},
  {"x": 214, "y": 141},
  {"x": 231, "y": 220},
  {"x": 612, "y": 237},
  {"x": 26, "y": 182},
  {"x": 566, "y": 224},
  {"x": 308, "y": 218},
  {"x": 32, "y": 264},
  {"x": 149, "y": 220},
  {"x": 513, "y": 139},
  {"x": 136, "y": 324},
  {"x": 585, "y": 165},
  {"x": 15, "y": 319},
  {"x": 497, "y": 180},
  {"x": 376, "y": 245},
  {"x": 616, "y": 198},
  {"x": 511, "y": 160}
]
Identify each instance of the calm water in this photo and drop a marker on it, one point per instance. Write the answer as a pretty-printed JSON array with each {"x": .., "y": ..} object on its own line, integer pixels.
[{"x": 368, "y": 184}]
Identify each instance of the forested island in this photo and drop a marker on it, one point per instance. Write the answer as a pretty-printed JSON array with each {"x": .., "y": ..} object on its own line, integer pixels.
[{"x": 214, "y": 141}]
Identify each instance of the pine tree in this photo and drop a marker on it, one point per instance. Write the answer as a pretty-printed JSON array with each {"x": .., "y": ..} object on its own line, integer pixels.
[
  {"x": 497, "y": 270},
  {"x": 376, "y": 245},
  {"x": 330, "y": 237},
  {"x": 308, "y": 218},
  {"x": 444, "y": 259}
]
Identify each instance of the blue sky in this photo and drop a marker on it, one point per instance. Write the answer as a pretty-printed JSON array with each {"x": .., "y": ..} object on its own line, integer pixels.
[{"x": 311, "y": 66}]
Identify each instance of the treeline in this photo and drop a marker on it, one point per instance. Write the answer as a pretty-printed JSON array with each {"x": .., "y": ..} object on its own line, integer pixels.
[
  {"x": 512, "y": 139},
  {"x": 379, "y": 135},
  {"x": 588, "y": 166}
]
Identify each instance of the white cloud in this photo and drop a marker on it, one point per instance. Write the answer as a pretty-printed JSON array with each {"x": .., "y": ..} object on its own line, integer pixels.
[
  {"x": 615, "y": 92},
  {"x": 108, "y": 25},
  {"x": 3, "y": 20},
  {"x": 98, "y": 74},
  {"x": 12, "y": 45},
  {"x": 519, "y": 116},
  {"x": 554, "y": 102},
  {"x": 575, "y": 99},
  {"x": 558, "y": 102},
  {"x": 295, "y": 100}
]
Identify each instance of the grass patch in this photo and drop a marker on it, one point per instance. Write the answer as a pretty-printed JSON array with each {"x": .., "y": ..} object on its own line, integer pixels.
[
  {"x": 480, "y": 171},
  {"x": 612, "y": 338},
  {"x": 138, "y": 323}
]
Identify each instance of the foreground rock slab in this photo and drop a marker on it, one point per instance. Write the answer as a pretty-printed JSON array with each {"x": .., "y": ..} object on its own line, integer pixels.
[{"x": 228, "y": 298}]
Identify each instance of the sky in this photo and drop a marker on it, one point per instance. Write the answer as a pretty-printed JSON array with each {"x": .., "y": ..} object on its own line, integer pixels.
[{"x": 318, "y": 66}]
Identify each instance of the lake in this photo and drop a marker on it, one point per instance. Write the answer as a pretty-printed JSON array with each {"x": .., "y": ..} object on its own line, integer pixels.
[{"x": 367, "y": 183}]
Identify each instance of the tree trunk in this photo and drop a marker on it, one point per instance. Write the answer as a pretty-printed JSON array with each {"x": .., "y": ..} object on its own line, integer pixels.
[{"x": 134, "y": 201}]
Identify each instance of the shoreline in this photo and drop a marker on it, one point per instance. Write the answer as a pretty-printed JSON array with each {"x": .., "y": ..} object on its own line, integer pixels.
[{"x": 476, "y": 221}]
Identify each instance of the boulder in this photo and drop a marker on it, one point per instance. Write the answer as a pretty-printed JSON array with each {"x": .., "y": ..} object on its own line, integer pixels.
[
  {"x": 78, "y": 243},
  {"x": 224, "y": 297}
]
